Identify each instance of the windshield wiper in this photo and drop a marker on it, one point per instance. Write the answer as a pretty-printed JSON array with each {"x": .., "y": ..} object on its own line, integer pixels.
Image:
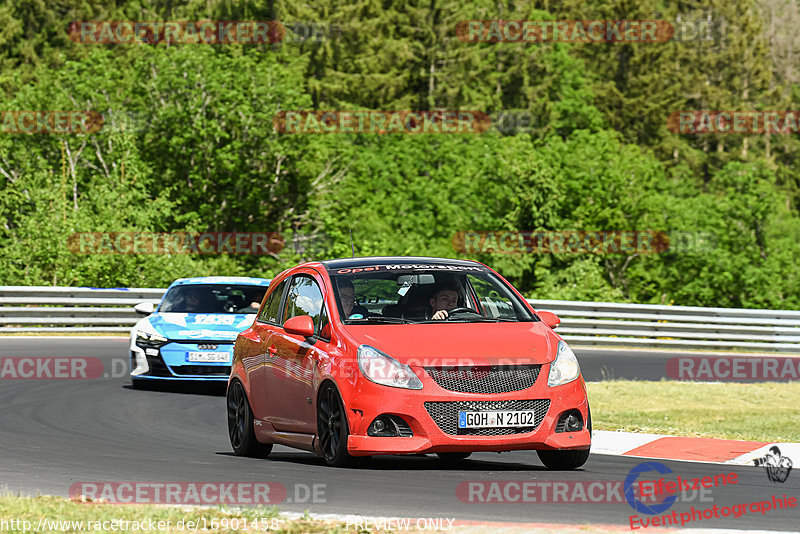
[
  {"x": 378, "y": 319},
  {"x": 481, "y": 320},
  {"x": 478, "y": 319}
]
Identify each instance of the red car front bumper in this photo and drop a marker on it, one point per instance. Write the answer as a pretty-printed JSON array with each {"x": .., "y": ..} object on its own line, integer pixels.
[{"x": 431, "y": 434}]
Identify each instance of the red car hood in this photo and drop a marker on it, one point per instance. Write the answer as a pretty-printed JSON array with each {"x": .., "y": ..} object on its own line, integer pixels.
[{"x": 460, "y": 344}]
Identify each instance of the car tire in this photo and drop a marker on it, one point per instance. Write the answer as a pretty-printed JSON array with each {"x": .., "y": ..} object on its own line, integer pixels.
[
  {"x": 240, "y": 425},
  {"x": 332, "y": 428},
  {"x": 452, "y": 457},
  {"x": 556, "y": 460}
]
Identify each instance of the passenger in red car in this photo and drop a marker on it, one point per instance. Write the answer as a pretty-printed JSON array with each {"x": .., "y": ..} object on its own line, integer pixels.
[{"x": 347, "y": 294}]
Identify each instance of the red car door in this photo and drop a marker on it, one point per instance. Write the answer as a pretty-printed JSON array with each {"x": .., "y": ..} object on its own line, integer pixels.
[
  {"x": 292, "y": 368},
  {"x": 264, "y": 330}
]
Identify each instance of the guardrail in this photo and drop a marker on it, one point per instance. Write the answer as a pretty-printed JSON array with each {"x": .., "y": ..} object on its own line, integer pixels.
[
  {"x": 678, "y": 327},
  {"x": 85, "y": 309},
  {"x": 71, "y": 309}
]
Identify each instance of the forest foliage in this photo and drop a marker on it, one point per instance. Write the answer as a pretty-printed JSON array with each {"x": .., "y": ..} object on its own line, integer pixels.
[{"x": 188, "y": 144}]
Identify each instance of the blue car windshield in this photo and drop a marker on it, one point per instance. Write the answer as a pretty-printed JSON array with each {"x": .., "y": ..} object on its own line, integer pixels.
[{"x": 213, "y": 298}]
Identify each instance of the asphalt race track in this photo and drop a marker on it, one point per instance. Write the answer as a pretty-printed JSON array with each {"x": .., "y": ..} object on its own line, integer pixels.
[{"x": 54, "y": 433}]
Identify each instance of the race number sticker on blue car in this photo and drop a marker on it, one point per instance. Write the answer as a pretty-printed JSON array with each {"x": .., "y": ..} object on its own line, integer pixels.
[{"x": 203, "y": 318}]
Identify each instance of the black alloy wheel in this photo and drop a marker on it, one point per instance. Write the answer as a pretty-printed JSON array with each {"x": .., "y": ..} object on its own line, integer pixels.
[
  {"x": 332, "y": 428},
  {"x": 240, "y": 425}
]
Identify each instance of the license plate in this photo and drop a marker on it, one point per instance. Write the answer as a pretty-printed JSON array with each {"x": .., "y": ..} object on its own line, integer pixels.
[
  {"x": 209, "y": 357},
  {"x": 496, "y": 419}
]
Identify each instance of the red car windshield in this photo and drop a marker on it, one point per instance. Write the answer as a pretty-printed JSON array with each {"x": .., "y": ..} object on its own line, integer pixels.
[{"x": 414, "y": 295}]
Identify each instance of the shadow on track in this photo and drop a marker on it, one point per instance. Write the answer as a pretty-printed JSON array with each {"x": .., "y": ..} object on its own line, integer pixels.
[
  {"x": 410, "y": 462},
  {"x": 215, "y": 389}
]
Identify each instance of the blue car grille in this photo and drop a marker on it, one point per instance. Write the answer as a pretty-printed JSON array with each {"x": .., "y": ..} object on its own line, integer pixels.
[{"x": 201, "y": 370}]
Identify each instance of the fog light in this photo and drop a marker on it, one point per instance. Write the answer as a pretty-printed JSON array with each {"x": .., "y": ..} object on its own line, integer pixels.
[
  {"x": 574, "y": 423},
  {"x": 389, "y": 426},
  {"x": 571, "y": 421}
]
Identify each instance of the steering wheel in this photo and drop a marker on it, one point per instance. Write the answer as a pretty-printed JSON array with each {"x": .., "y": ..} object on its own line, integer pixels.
[{"x": 461, "y": 310}]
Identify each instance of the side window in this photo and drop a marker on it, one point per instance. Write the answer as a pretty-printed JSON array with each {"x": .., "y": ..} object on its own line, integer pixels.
[
  {"x": 270, "y": 311},
  {"x": 493, "y": 303},
  {"x": 305, "y": 298},
  {"x": 323, "y": 329}
]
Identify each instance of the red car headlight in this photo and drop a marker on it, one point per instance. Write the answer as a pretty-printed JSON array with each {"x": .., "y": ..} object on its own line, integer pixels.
[
  {"x": 565, "y": 367},
  {"x": 381, "y": 368}
]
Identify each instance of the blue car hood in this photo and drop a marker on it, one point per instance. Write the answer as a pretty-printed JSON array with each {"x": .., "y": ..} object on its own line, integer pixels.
[{"x": 221, "y": 326}]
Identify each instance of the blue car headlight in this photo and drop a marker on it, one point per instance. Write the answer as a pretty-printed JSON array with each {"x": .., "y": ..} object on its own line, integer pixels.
[{"x": 148, "y": 337}]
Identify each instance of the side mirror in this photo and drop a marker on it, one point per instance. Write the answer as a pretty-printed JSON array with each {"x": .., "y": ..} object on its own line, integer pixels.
[
  {"x": 301, "y": 325},
  {"x": 325, "y": 333},
  {"x": 549, "y": 318},
  {"x": 144, "y": 308}
]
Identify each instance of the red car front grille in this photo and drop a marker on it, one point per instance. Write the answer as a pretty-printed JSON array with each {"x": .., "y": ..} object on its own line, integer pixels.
[
  {"x": 445, "y": 415},
  {"x": 485, "y": 379}
]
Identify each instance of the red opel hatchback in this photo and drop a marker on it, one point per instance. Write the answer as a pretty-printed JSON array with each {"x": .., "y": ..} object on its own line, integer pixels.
[{"x": 395, "y": 355}]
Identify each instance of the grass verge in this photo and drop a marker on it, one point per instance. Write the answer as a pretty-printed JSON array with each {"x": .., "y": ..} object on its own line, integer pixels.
[{"x": 765, "y": 411}]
